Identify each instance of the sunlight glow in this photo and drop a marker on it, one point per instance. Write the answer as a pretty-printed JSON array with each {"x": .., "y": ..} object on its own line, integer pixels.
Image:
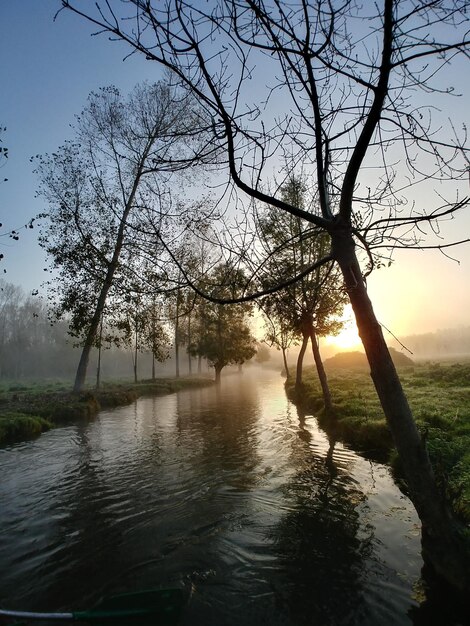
[{"x": 348, "y": 338}]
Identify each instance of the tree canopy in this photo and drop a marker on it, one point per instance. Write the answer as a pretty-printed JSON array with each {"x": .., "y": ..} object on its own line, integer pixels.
[
  {"x": 223, "y": 335},
  {"x": 109, "y": 202}
]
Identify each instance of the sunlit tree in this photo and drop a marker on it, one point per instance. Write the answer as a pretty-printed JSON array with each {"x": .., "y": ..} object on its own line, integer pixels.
[
  {"x": 311, "y": 306},
  {"x": 222, "y": 333},
  {"x": 195, "y": 255},
  {"x": 155, "y": 334}
]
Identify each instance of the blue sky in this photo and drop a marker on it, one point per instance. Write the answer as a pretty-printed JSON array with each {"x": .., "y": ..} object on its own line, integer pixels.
[{"x": 47, "y": 71}]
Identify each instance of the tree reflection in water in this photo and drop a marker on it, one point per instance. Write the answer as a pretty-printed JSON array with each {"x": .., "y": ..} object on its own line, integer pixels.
[
  {"x": 321, "y": 542},
  {"x": 225, "y": 491}
]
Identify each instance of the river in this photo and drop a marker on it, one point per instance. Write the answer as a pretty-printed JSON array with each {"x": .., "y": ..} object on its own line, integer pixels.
[{"x": 228, "y": 492}]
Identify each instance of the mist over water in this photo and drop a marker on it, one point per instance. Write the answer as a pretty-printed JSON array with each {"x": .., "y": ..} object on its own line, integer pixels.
[{"x": 227, "y": 492}]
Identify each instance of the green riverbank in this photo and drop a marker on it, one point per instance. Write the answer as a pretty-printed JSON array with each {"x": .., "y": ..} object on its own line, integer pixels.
[
  {"x": 28, "y": 409},
  {"x": 439, "y": 396}
]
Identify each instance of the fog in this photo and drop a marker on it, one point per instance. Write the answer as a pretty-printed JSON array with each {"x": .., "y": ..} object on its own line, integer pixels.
[{"x": 32, "y": 348}]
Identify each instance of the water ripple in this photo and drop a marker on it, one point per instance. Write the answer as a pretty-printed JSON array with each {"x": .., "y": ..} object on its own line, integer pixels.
[{"x": 229, "y": 493}]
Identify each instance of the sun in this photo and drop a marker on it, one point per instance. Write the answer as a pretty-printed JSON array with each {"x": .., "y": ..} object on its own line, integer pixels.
[{"x": 348, "y": 338}]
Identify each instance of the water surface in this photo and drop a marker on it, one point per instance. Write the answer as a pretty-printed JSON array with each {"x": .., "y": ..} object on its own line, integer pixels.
[{"x": 227, "y": 492}]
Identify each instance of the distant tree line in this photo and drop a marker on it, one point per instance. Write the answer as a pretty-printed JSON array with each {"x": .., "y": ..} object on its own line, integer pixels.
[
  {"x": 29, "y": 345},
  {"x": 136, "y": 342}
]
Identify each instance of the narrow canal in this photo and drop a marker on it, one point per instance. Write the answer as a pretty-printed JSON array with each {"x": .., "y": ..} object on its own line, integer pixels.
[{"x": 228, "y": 492}]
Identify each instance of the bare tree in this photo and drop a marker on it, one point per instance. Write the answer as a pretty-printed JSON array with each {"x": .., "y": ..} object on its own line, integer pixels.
[
  {"x": 346, "y": 90},
  {"x": 29, "y": 346}
]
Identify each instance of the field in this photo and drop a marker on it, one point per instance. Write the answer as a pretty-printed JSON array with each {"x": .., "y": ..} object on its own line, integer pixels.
[{"x": 439, "y": 395}]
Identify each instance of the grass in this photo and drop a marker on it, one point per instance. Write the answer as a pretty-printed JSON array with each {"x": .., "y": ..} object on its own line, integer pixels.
[
  {"x": 439, "y": 396},
  {"x": 28, "y": 409},
  {"x": 17, "y": 426}
]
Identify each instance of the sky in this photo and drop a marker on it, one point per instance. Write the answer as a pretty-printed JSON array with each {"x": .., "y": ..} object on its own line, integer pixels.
[{"x": 47, "y": 70}]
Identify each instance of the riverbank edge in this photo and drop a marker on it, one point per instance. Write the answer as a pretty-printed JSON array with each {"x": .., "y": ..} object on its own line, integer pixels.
[
  {"x": 371, "y": 437},
  {"x": 25, "y": 414}
]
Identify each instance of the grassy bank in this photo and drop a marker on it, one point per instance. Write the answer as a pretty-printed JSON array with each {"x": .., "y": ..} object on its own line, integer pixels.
[
  {"x": 27, "y": 409},
  {"x": 439, "y": 396}
]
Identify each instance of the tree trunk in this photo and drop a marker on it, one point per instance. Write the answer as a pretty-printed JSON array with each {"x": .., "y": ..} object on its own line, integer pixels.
[
  {"x": 284, "y": 358},
  {"x": 321, "y": 372},
  {"x": 80, "y": 375},
  {"x": 98, "y": 368},
  {"x": 177, "y": 359},
  {"x": 154, "y": 330},
  {"x": 177, "y": 346},
  {"x": 300, "y": 362},
  {"x": 199, "y": 364},
  {"x": 444, "y": 548},
  {"x": 136, "y": 351},
  {"x": 218, "y": 371},
  {"x": 190, "y": 363}
]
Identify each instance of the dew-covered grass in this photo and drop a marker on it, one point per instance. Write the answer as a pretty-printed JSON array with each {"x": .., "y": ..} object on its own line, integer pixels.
[{"x": 439, "y": 396}]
